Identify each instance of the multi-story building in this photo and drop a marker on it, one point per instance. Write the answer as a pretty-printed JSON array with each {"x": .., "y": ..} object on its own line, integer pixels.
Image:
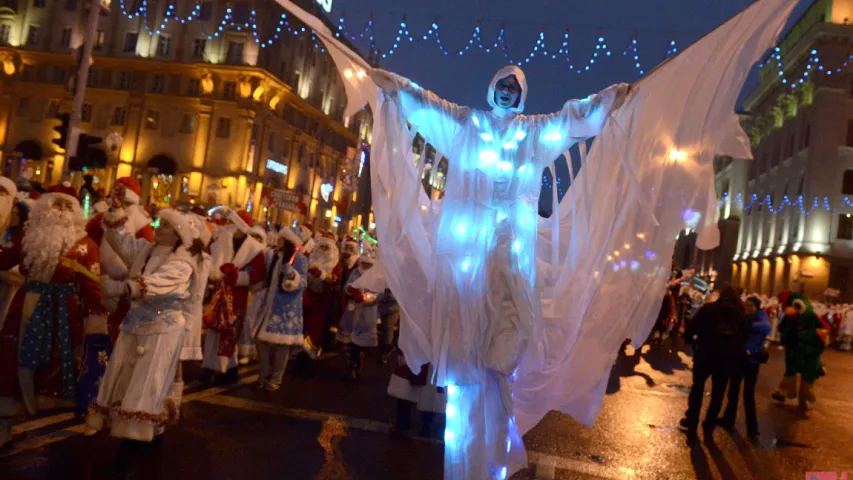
[
  {"x": 204, "y": 102},
  {"x": 796, "y": 230}
]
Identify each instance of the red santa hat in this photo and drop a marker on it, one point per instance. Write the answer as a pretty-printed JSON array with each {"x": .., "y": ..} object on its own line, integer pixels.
[
  {"x": 180, "y": 223},
  {"x": 132, "y": 189},
  {"x": 242, "y": 219},
  {"x": 351, "y": 241},
  {"x": 65, "y": 191},
  {"x": 8, "y": 185}
]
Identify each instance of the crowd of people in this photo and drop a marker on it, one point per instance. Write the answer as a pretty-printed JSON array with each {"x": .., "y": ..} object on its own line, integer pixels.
[
  {"x": 729, "y": 334},
  {"x": 101, "y": 313}
]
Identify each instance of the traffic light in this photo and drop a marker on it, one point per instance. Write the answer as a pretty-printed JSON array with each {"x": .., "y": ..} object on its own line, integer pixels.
[
  {"x": 62, "y": 129},
  {"x": 86, "y": 144},
  {"x": 89, "y": 154}
]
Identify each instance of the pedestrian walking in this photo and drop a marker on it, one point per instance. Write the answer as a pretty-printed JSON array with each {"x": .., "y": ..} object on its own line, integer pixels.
[
  {"x": 753, "y": 355},
  {"x": 718, "y": 333}
]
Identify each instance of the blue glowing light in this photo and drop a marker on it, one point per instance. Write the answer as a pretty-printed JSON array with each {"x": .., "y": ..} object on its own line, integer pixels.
[
  {"x": 516, "y": 246},
  {"x": 487, "y": 137},
  {"x": 475, "y": 120},
  {"x": 466, "y": 265},
  {"x": 461, "y": 229},
  {"x": 502, "y": 475},
  {"x": 508, "y": 445},
  {"x": 505, "y": 166},
  {"x": 519, "y": 135},
  {"x": 634, "y": 265},
  {"x": 501, "y": 216},
  {"x": 553, "y": 136},
  {"x": 450, "y": 411},
  {"x": 488, "y": 157},
  {"x": 510, "y": 146},
  {"x": 448, "y": 435},
  {"x": 691, "y": 217},
  {"x": 650, "y": 255}
]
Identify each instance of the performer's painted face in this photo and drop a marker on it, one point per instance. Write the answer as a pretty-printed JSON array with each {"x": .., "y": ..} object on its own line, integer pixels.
[{"x": 507, "y": 92}]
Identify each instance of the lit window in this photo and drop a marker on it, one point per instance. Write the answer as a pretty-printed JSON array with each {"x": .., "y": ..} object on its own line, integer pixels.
[{"x": 152, "y": 120}]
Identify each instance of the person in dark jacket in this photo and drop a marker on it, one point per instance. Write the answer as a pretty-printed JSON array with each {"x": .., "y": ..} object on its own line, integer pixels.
[
  {"x": 752, "y": 357},
  {"x": 718, "y": 333}
]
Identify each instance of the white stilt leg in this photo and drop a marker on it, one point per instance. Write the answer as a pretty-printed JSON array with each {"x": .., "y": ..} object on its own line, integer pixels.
[{"x": 477, "y": 437}]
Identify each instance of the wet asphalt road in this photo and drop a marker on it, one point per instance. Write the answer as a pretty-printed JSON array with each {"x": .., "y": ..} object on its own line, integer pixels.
[{"x": 333, "y": 428}]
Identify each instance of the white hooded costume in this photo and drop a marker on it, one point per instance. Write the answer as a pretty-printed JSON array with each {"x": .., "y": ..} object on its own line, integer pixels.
[{"x": 521, "y": 316}]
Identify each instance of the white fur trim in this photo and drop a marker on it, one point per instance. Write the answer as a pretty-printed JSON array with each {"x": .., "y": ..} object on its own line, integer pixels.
[
  {"x": 236, "y": 220},
  {"x": 292, "y": 284},
  {"x": 130, "y": 196},
  {"x": 291, "y": 236},
  {"x": 7, "y": 184},
  {"x": 279, "y": 339},
  {"x": 180, "y": 223}
]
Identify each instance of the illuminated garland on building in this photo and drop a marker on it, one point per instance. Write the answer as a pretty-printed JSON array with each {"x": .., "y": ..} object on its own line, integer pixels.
[
  {"x": 539, "y": 49},
  {"x": 845, "y": 205}
]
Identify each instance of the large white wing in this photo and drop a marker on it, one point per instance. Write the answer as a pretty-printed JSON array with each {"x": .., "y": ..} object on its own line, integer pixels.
[{"x": 648, "y": 175}]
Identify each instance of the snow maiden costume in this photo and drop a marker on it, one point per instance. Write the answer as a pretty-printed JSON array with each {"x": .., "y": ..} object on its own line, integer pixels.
[
  {"x": 358, "y": 328},
  {"x": 280, "y": 325},
  {"x": 510, "y": 309},
  {"x": 140, "y": 374}
]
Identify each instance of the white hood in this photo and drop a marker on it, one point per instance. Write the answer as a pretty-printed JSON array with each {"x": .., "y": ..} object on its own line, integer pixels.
[{"x": 522, "y": 81}]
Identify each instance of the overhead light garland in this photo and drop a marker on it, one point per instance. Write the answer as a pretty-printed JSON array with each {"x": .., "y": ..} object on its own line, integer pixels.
[
  {"x": 539, "y": 49},
  {"x": 845, "y": 206},
  {"x": 499, "y": 45}
]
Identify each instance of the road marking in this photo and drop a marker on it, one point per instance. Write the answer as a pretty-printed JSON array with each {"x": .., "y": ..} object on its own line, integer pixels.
[
  {"x": 74, "y": 430},
  {"x": 41, "y": 422},
  {"x": 548, "y": 462}
]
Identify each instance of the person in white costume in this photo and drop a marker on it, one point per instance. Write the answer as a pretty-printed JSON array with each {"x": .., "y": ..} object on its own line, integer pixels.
[
  {"x": 280, "y": 326},
  {"x": 485, "y": 287},
  {"x": 358, "y": 328},
  {"x": 141, "y": 371},
  {"x": 485, "y": 263},
  {"x": 193, "y": 308},
  {"x": 246, "y": 345}
]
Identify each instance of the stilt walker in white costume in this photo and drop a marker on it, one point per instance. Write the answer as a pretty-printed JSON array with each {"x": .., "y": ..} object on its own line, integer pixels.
[{"x": 509, "y": 312}]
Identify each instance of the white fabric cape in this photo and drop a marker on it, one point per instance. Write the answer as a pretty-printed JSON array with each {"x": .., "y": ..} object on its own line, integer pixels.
[{"x": 648, "y": 175}]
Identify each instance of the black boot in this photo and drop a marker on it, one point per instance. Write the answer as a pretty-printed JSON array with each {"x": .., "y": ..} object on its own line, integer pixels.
[{"x": 400, "y": 430}]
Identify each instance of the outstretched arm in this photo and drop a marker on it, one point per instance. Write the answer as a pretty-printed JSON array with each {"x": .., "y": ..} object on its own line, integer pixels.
[
  {"x": 578, "y": 120},
  {"x": 436, "y": 119}
]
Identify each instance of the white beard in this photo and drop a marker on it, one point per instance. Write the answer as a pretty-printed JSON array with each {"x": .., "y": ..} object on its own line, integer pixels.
[
  {"x": 325, "y": 262},
  {"x": 49, "y": 233},
  {"x": 6, "y": 203}
]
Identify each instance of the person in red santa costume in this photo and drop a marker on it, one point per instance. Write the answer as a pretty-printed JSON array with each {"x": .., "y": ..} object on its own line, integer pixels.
[
  {"x": 324, "y": 276},
  {"x": 123, "y": 204},
  {"x": 307, "y": 229},
  {"x": 59, "y": 303},
  {"x": 238, "y": 264},
  {"x": 349, "y": 256}
]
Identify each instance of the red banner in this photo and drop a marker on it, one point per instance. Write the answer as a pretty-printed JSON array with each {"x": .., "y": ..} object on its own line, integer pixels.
[{"x": 283, "y": 199}]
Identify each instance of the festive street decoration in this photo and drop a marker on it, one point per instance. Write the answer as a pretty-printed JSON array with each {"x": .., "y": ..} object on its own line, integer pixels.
[{"x": 845, "y": 206}]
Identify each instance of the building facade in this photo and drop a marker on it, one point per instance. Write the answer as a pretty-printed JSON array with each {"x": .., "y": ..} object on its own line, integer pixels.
[
  {"x": 203, "y": 102},
  {"x": 796, "y": 229}
]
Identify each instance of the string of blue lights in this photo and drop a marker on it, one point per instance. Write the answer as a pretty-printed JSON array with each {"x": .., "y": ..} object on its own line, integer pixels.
[
  {"x": 818, "y": 203},
  {"x": 539, "y": 50}
]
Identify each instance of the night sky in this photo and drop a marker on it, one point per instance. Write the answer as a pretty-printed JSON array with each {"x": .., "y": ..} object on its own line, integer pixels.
[{"x": 464, "y": 79}]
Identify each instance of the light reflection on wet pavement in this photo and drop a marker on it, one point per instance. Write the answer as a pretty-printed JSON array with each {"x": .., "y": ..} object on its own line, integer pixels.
[{"x": 331, "y": 428}]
